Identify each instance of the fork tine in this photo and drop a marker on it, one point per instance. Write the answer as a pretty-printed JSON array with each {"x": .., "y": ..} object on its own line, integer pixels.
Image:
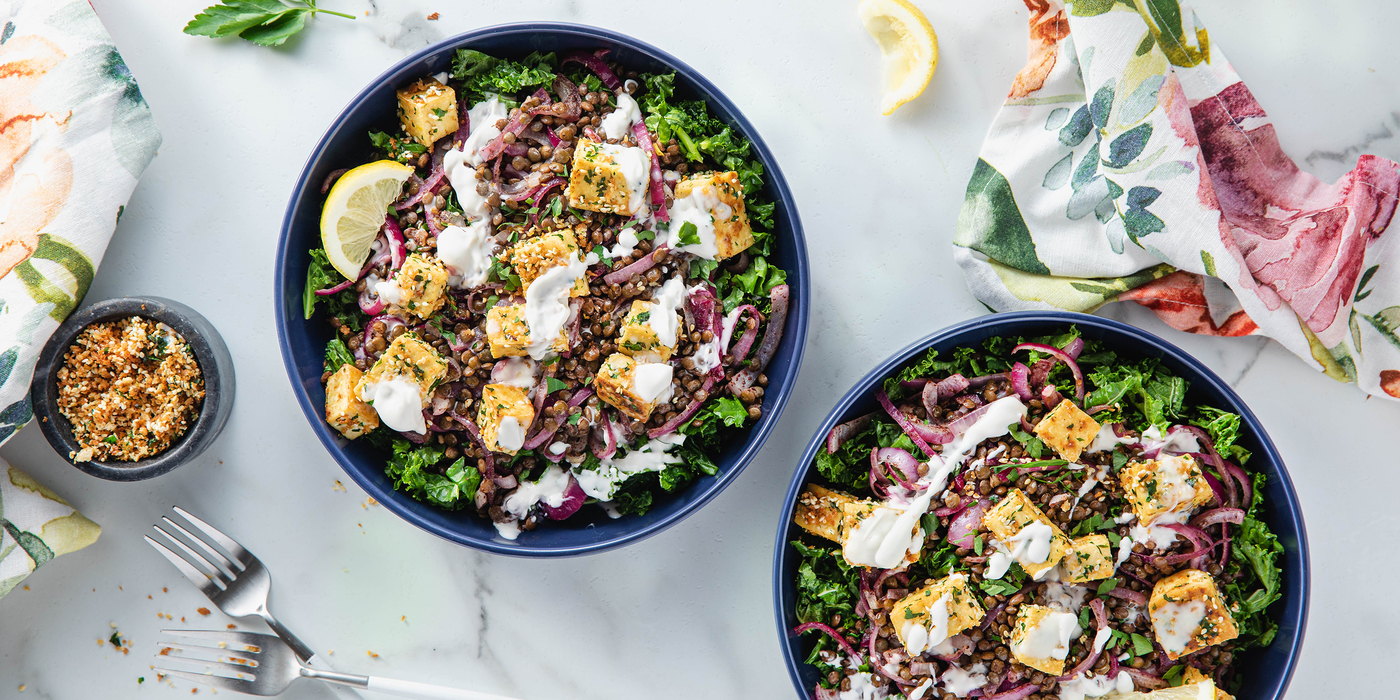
[
  {"x": 195, "y": 559},
  {"x": 214, "y": 556},
  {"x": 240, "y": 554},
  {"x": 239, "y": 685},
  {"x": 201, "y": 654},
  {"x": 262, "y": 641},
  {"x": 200, "y": 580}
]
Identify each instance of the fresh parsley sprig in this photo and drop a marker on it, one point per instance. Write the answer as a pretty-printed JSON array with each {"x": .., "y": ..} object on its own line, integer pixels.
[{"x": 263, "y": 22}]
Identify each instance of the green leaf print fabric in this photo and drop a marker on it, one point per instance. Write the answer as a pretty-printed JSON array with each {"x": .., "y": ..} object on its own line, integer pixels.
[
  {"x": 75, "y": 134},
  {"x": 1130, "y": 163}
]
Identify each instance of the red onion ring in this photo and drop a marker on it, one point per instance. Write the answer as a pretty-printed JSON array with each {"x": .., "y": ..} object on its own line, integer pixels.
[
  {"x": 331, "y": 178},
  {"x": 845, "y": 431},
  {"x": 396, "y": 243},
  {"x": 646, "y": 262},
  {"x": 962, "y": 530},
  {"x": 904, "y": 423},
  {"x": 672, "y": 425},
  {"x": 472, "y": 430},
  {"x": 334, "y": 290},
  {"x": 831, "y": 632},
  {"x": 656, "y": 180},
  {"x": 594, "y": 62},
  {"x": 1062, "y": 356},
  {"x": 1218, "y": 515},
  {"x": 573, "y": 500},
  {"x": 1101, "y": 619},
  {"x": 1020, "y": 381}
]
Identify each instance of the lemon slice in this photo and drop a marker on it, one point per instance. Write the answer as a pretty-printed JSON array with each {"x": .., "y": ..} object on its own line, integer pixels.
[
  {"x": 354, "y": 212},
  {"x": 907, "y": 44},
  {"x": 1205, "y": 690}
]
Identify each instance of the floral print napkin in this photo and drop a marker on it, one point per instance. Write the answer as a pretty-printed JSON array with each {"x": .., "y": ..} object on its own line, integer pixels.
[
  {"x": 75, "y": 135},
  {"x": 1130, "y": 163}
]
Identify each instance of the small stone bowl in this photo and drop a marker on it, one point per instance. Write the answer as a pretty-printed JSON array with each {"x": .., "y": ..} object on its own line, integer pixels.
[{"x": 210, "y": 354}]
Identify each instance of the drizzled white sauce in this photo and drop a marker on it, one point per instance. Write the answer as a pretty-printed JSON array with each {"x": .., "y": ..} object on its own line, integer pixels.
[
  {"x": 918, "y": 692},
  {"x": 510, "y": 434},
  {"x": 1088, "y": 685},
  {"x": 862, "y": 688},
  {"x": 1106, "y": 440},
  {"x": 518, "y": 372},
  {"x": 1065, "y": 598},
  {"x": 389, "y": 291},
  {"x": 1180, "y": 442},
  {"x": 619, "y": 122},
  {"x": 1174, "y": 623},
  {"x": 549, "y": 490},
  {"x": 601, "y": 483},
  {"x": 650, "y": 380},
  {"x": 547, "y": 306},
  {"x": 663, "y": 320},
  {"x": 960, "y": 682},
  {"x": 557, "y": 448},
  {"x": 1030, "y": 545},
  {"x": 917, "y": 638},
  {"x": 994, "y": 423},
  {"x": 626, "y": 243},
  {"x": 1049, "y": 638},
  {"x": 460, "y": 163},
  {"x": 467, "y": 252},
  {"x": 700, "y": 207},
  {"x": 635, "y": 166},
  {"x": 891, "y": 532},
  {"x": 399, "y": 403}
]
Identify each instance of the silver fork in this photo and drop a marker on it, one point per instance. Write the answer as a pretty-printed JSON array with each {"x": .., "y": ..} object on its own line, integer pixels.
[
  {"x": 238, "y": 584},
  {"x": 261, "y": 664}
]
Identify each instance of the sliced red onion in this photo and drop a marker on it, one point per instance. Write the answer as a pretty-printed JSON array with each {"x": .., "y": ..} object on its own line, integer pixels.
[
  {"x": 605, "y": 447},
  {"x": 1222, "y": 496},
  {"x": 382, "y": 253},
  {"x": 933, "y": 433},
  {"x": 1247, "y": 488},
  {"x": 1218, "y": 515},
  {"x": 1143, "y": 679},
  {"x": 1026, "y": 426},
  {"x": 369, "y": 302},
  {"x": 831, "y": 632},
  {"x": 1050, "y": 396},
  {"x": 1130, "y": 595},
  {"x": 594, "y": 62},
  {"x": 425, "y": 190},
  {"x": 1020, "y": 691},
  {"x": 895, "y": 462},
  {"x": 1201, "y": 544},
  {"x": 580, "y": 396},
  {"x": 913, "y": 384},
  {"x": 948, "y": 512},
  {"x": 966, "y": 421},
  {"x": 1062, "y": 357},
  {"x": 778, "y": 296},
  {"x": 507, "y": 482},
  {"x": 571, "y": 101},
  {"x": 675, "y": 423},
  {"x": 396, "y": 244},
  {"x": 390, "y": 323},
  {"x": 514, "y": 126},
  {"x": 985, "y": 379},
  {"x": 952, "y": 386},
  {"x": 929, "y": 396},
  {"x": 1074, "y": 347},
  {"x": 334, "y": 290},
  {"x": 1101, "y": 620},
  {"x": 962, "y": 530},
  {"x": 1020, "y": 381},
  {"x": 656, "y": 181},
  {"x": 539, "y": 194},
  {"x": 1095, "y": 409},
  {"x": 331, "y": 178},
  {"x": 573, "y": 500},
  {"x": 903, "y": 421},
  {"x": 646, "y": 262},
  {"x": 472, "y": 430},
  {"x": 745, "y": 341},
  {"x": 845, "y": 431},
  {"x": 554, "y": 139}
]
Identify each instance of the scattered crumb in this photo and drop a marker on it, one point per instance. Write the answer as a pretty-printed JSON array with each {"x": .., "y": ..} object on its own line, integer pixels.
[
  {"x": 182, "y": 618},
  {"x": 165, "y": 651},
  {"x": 369, "y": 502},
  {"x": 101, "y": 641},
  {"x": 22, "y": 687},
  {"x": 120, "y": 588},
  {"x": 165, "y": 590},
  {"x": 330, "y": 652},
  {"x": 112, "y": 624},
  {"x": 372, "y": 655},
  {"x": 194, "y": 690},
  {"x": 223, "y": 645},
  {"x": 403, "y": 618},
  {"x": 434, "y": 16},
  {"x": 148, "y": 597},
  {"x": 26, "y": 586},
  {"x": 232, "y": 626},
  {"x": 202, "y": 611},
  {"x": 338, "y": 486}
]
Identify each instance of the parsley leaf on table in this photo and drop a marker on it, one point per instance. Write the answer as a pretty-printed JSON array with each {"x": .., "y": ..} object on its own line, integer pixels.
[{"x": 263, "y": 22}]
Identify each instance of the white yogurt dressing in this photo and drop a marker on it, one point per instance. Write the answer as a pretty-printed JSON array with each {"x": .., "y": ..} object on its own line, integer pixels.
[
  {"x": 960, "y": 682},
  {"x": 602, "y": 482},
  {"x": 626, "y": 243},
  {"x": 510, "y": 434},
  {"x": 650, "y": 380},
  {"x": 1065, "y": 598},
  {"x": 663, "y": 320},
  {"x": 891, "y": 532},
  {"x": 557, "y": 448},
  {"x": 549, "y": 490},
  {"x": 1088, "y": 685},
  {"x": 1030, "y": 545},
  {"x": 547, "y": 306},
  {"x": 1049, "y": 638},
  {"x": 1174, "y": 623},
  {"x": 917, "y": 638},
  {"x": 399, "y": 403},
  {"x": 388, "y": 291},
  {"x": 862, "y": 688},
  {"x": 460, "y": 163},
  {"x": 619, "y": 122},
  {"x": 467, "y": 252},
  {"x": 635, "y": 166},
  {"x": 700, "y": 207},
  {"x": 1106, "y": 440},
  {"x": 994, "y": 423},
  {"x": 918, "y": 692},
  {"x": 518, "y": 372}
]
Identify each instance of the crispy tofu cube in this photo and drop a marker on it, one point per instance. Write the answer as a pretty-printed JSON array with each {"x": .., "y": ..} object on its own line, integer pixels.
[
  {"x": 1040, "y": 635},
  {"x": 1188, "y": 613},
  {"x": 609, "y": 178},
  {"x": 509, "y": 333},
  {"x": 498, "y": 402},
  {"x": 1166, "y": 484},
  {"x": 724, "y": 195},
  {"x": 344, "y": 409},
  {"x": 1067, "y": 430},
  {"x": 534, "y": 256},
  {"x": 829, "y": 514},
  {"x": 428, "y": 111},
  {"x": 636, "y": 338},
  {"x": 1090, "y": 558},
  {"x": 408, "y": 356},
  {"x": 1195, "y": 675},
  {"x": 915, "y": 609},
  {"x": 419, "y": 287},
  {"x": 614, "y": 386},
  {"x": 1012, "y": 514}
]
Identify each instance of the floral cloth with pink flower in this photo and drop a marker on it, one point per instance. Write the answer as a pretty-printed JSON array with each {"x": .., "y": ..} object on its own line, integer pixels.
[{"x": 1130, "y": 163}]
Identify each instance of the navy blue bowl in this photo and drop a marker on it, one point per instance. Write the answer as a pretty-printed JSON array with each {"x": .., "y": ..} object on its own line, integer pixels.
[
  {"x": 1268, "y": 670},
  {"x": 303, "y": 342}
]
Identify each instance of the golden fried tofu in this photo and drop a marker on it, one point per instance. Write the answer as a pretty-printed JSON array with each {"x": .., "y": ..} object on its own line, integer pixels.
[
  {"x": 825, "y": 513},
  {"x": 345, "y": 411},
  {"x": 609, "y": 178},
  {"x": 428, "y": 111},
  {"x": 1189, "y": 614},
  {"x": 724, "y": 194},
  {"x": 1195, "y": 675},
  {"x": 638, "y": 339},
  {"x": 1089, "y": 558},
  {"x": 409, "y": 357},
  {"x": 1067, "y": 430},
  {"x": 1012, "y": 514},
  {"x": 615, "y": 385},
  {"x": 420, "y": 286},
  {"x": 916, "y": 609},
  {"x": 1041, "y": 638},
  {"x": 509, "y": 333},
  {"x": 503, "y": 403},
  {"x": 535, "y": 255},
  {"x": 1166, "y": 484}
]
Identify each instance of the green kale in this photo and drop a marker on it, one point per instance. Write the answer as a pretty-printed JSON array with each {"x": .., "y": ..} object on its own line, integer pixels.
[
  {"x": 413, "y": 469},
  {"x": 398, "y": 147},
  {"x": 319, "y": 275},
  {"x": 455, "y": 489},
  {"x": 849, "y": 467},
  {"x": 751, "y": 286},
  {"x": 337, "y": 355},
  {"x": 1224, "y": 428},
  {"x": 1148, "y": 394},
  {"x": 487, "y": 75},
  {"x": 703, "y": 430},
  {"x": 636, "y": 502},
  {"x": 826, "y": 585},
  {"x": 1258, "y": 584}
]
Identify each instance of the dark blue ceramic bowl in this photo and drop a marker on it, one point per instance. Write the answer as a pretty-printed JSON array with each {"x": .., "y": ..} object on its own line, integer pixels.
[
  {"x": 1267, "y": 671},
  {"x": 303, "y": 342}
]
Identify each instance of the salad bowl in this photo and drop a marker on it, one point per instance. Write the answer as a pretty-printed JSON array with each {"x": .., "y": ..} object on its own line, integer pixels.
[
  {"x": 1265, "y": 670},
  {"x": 303, "y": 342}
]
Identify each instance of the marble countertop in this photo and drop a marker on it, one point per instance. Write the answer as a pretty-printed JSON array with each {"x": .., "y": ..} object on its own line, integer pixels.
[{"x": 687, "y": 613}]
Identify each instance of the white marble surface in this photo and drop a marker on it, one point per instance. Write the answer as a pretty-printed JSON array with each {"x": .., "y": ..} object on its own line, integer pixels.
[{"x": 686, "y": 614}]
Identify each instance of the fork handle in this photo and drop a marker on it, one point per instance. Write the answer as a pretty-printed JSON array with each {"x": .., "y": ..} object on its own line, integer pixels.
[{"x": 424, "y": 691}]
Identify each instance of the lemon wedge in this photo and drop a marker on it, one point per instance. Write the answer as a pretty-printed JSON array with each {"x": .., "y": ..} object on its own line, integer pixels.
[
  {"x": 354, "y": 212},
  {"x": 1205, "y": 690},
  {"x": 908, "y": 46}
]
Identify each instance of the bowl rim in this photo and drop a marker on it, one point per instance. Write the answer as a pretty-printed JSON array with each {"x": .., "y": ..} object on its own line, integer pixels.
[
  {"x": 877, "y": 374},
  {"x": 211, "y": 355},
  {"x": 797, "y": 320}
]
